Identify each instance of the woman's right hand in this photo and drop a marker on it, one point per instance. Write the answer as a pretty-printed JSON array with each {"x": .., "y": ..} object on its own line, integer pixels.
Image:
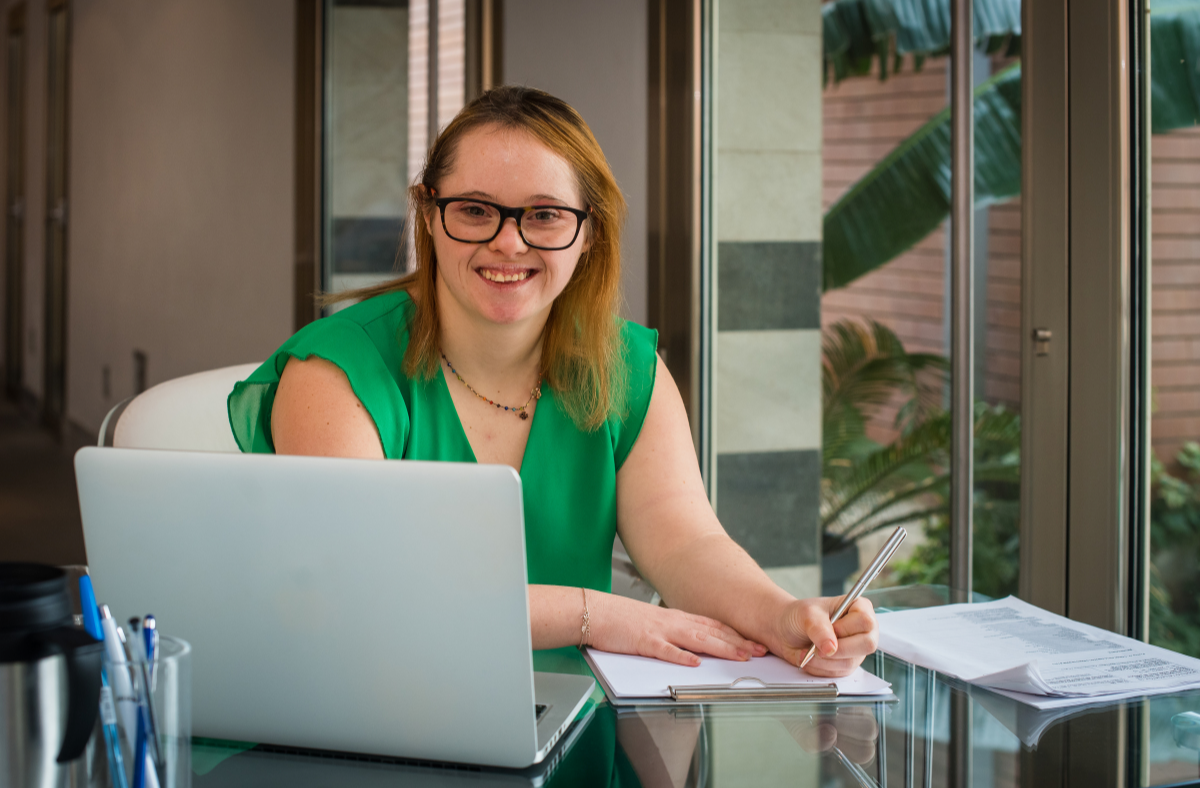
[{"x": 627, "y": 626}]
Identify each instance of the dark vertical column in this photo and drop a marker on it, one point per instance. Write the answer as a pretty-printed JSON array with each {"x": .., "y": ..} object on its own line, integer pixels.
[
  {"x": 14, "y": 252},
  {"x": 434, "y": 73},
  {"x": 55, "y": 329},
  {"x": 307, "y": 242},
  {"x": 673, "y": 258},
  {"x": 962, "y": 279},
  {"x": 1100, "y": 400},
  {"x": 484, "y": 47},
  {"x": 962, "y": 353},
  {"x": 1045, "y": 290}
]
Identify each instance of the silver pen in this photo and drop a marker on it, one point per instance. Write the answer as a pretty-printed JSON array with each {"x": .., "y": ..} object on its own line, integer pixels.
[{"x": 871, "y": 572}]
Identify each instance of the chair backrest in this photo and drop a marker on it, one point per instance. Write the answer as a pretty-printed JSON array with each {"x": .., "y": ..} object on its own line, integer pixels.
[{"x": 186, "y": 414}]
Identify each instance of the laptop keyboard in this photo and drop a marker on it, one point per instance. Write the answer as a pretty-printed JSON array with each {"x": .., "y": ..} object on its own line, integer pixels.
[{"x": 539, "y": 711}]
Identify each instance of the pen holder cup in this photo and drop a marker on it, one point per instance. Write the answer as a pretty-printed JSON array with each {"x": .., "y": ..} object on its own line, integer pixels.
[{"x": 165, "y": 725}]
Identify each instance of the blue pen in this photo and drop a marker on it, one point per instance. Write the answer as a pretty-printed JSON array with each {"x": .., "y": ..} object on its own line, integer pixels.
[
  {"x": 147, "y": 720},
  {"x": 139, "y": 757},
  {"x": 150, "y": 633},
  {"x": 133, "y": 649},
  {"x": 108, "y": 712}
]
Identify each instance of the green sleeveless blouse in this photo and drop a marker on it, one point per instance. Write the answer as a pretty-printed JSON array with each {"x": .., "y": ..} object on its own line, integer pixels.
[{"x": 569, "y": 477}]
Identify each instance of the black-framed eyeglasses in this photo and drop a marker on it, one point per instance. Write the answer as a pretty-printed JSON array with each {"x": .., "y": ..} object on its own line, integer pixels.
[{"x": 546, "y": 227}]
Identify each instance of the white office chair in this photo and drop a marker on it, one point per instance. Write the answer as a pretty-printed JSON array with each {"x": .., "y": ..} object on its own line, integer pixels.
[{"x": 187, "y": 413}]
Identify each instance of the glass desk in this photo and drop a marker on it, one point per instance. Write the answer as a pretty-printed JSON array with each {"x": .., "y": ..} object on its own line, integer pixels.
[{"x": 937, "y": 733}]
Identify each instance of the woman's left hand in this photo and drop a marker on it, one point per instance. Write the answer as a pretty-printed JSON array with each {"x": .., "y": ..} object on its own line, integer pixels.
[{"x": 841, "y": 647}]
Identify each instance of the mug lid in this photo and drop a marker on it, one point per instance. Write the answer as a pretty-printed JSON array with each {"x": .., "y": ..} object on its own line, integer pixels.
[
  {"x": 21, "y": 580},
  {"x": 33, "y": 597}
]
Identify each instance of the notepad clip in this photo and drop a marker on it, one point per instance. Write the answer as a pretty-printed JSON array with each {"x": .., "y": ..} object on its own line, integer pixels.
[{"x": 698, "y": 693}]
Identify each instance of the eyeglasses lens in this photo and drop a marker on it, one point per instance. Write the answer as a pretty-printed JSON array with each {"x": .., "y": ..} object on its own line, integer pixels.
[{"x": 542, "y": 227}]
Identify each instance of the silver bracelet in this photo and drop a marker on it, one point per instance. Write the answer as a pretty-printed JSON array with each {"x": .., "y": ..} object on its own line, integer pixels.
[{"x": 585, "y": 630}]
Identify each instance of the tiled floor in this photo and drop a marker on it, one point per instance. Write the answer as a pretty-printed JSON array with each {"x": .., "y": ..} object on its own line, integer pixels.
[{"x": 39, "y": 510}]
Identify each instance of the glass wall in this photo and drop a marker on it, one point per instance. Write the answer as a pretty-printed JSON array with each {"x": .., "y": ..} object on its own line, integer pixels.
[
  {"x": 366, "y": 139},
  {"x": 831, "y": 203},
  {"x": 1175, "y": 331},
  {"x": 886, "y": 310},
  {"x": 1174, "y": 361},
  {"x": 873, "y": 243}
]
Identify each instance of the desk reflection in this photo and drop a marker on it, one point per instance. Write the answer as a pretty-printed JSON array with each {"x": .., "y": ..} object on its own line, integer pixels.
[
  {"x": 906, "y": 742},
  {"x": 679, "y": 748}
]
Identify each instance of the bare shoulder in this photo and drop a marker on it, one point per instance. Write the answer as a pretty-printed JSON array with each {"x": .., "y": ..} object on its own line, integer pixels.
[
  {"x": 666, "y": 418},
  {"x": 663, "y": 452},
  {"x": 316, "y": 412}
]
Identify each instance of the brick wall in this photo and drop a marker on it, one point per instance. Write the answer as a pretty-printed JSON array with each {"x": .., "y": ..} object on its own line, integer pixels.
[
  {"x": 1175, "y": 293},
  {"x": 864, "y": 119},
  {"x": 1002, "y": 379}
]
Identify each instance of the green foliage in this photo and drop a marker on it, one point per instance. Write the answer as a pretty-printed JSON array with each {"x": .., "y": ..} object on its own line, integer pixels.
[
  {"x": 1174, "y": 539},
  {"x": 863, "y": 365},
  {"x": 907, "y": 194},
  {"x": 857, "y": 32},
  {"x": 1174, "y": 547},
  {"x": 866, "y": 487},
  {"x": 1174, "y": 55},
  {"x": 996, "y": 557}
]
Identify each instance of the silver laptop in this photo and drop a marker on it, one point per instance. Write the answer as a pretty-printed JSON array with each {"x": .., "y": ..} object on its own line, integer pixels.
[{"x": 348, "y": 605}]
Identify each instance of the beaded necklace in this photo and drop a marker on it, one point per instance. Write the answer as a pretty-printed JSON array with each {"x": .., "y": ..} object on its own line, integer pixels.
[{"x": 520, "y": 411}]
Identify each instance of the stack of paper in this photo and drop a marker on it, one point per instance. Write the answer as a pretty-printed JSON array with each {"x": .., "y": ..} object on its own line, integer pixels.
[
  {"x": 1032, "y": 655},
  {"x": 627, "y": 679}
]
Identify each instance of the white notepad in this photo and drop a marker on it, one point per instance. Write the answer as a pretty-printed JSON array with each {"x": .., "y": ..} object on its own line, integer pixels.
[{"x": 636, "y": 680}]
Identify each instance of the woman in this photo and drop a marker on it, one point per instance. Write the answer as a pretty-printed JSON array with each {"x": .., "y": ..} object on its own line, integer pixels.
[{"x": 504, "y": 347}]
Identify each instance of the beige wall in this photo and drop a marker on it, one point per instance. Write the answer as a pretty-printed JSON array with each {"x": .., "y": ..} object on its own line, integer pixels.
[{"x": 181, "y": 186}]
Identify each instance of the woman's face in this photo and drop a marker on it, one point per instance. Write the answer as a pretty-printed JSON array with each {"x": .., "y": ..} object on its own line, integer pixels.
[{"x": 505, "y": 281}]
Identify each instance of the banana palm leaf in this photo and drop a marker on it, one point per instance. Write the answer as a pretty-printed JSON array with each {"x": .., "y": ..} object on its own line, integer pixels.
[
  {"x": 1174, "y": 65},
  {"x": 856, "y": 32},
  {"x": 907, "y": 194},
  {"x": 896, "y": 503},
  {"x": 881, "y": 489},
  {"x": 863, "y": 365},
  {"x": 926, "y": 442}
]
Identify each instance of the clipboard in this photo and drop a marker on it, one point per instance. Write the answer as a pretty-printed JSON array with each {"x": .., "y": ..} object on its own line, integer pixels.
[
  {"x": 708, "y": 693},
  {"x": 743, "y": 690}
]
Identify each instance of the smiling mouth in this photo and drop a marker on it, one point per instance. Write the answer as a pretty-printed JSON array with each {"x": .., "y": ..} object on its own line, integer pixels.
[{"x": 496, "y": 276}]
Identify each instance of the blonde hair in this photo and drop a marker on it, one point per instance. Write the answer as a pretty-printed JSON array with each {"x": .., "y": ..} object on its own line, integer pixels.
[{"x": 582, "y": 359}]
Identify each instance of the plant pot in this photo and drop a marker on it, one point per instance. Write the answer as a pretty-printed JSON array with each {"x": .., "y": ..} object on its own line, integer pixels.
[{"x": 836, "y": 567}]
